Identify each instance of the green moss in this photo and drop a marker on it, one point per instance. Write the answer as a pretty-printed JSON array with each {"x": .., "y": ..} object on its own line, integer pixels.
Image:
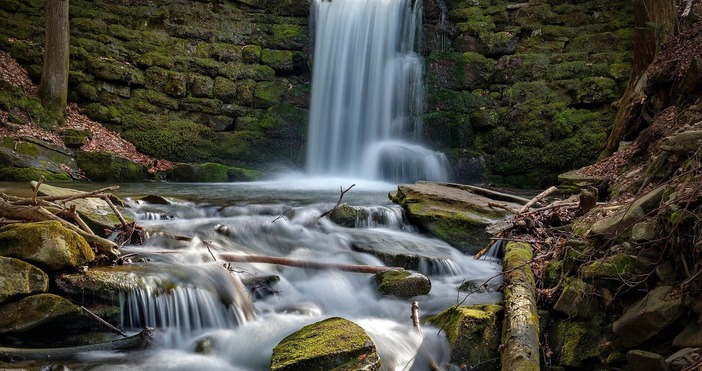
[
  {"x": 175, "y": 140},
  {"x": 402, "y": 284},
  {"x": 251, "y": 53},
  {"x": 312, "y": 346},
  {"x": 16, "y": 174},
  {"x": 472, "y": 331},
  {"x": 224, "y": 89},
  {"x": 269, "y": 93},
  {"x": 288, "y": 36},
  {"x": 281, "y": 60},
  {"x": 613, "y": 269}
]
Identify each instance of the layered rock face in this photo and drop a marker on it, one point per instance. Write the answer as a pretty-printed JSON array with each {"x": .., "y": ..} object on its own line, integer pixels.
[
  {"x": 516, "y": 93},
  {"x": 519, "y": 92},
  {"x": 187, "y": 81}
]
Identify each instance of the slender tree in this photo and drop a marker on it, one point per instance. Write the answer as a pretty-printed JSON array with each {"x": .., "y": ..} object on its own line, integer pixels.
[
  {"x": 53, "y": 89},
  {"x": 654, "y": 22}
]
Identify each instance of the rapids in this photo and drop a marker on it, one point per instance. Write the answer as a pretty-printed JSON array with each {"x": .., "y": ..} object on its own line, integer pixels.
[{"x": 244, "y": 218}]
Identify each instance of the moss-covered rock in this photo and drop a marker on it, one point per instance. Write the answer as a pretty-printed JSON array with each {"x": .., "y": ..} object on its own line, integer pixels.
[
  {"x": 209, "y": 173},
  {"x": 473, "y": 333},
  {"x": 36, "y": 310},
  {"x": 46, "y": 244},
  {"x": 452, "y": 214},
  {"x": 105, "y": 167},
  {"x": 332, "y": 344},
  {"x": 402, "y": 284},
  {"x": 578, "y": 299},
  {"x": 20, "y": 278}
]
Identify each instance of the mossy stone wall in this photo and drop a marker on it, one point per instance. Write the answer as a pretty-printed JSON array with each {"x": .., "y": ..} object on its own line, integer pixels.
[
  {"x": 517, "y": 92},
  {"x": 520, "y": 92},
  {"x": 184, "y": 80}
]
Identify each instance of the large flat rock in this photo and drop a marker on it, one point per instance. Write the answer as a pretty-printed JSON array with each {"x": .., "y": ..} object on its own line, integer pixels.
[{"x": 454, "y": 213}]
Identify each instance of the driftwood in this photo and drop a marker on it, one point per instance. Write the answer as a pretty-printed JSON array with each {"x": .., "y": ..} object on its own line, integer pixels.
[
  {"x": 238, "y": 258},
  {"x": 40, "y": 214},
  {"x": 538, "y": 198},
  {"x": 489, "y": 193},
  {"x": 519, "y": 349},
  {"x": 138, "y": 341}
]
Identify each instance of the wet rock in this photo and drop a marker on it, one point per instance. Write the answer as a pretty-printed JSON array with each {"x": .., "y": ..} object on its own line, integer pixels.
[
  {"x": 106, "y": 283},
  {"x": 346, "y": 215},
  {"x": 209, "y": 173},
  {"x": 94, "y": 211},
  {"x": 648, "y": 316},
  {"x": 398, "y": 256},
  {"x": 18, "y": 277},
  {"x": 402, "y": 284},
  {"x": 156, "y": 200},
  {"x": 453, "y": 214},
  {"x": 332, "y": 344},
  {"x": 34, "y": 311},
  {"x": 640, "y": 360},
  {"x": 578, "y": 299},
  {"x": 473, "y": 332},
  {"x": 690, "y": 337},
  {"x": 48, "y": 245}
]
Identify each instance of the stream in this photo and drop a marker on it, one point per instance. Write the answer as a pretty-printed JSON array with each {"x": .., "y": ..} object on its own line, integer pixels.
[{"x": 246, "y": 218}]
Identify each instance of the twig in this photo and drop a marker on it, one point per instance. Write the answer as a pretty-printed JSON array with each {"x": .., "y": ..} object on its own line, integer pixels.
[
  {"x": 36, "y": 190},
  {"x": 282, "y": 215},
  {"x": 207, "y": 245},
  {"x": 95, "y": 316},
  {"x": 338, "y": 202}
]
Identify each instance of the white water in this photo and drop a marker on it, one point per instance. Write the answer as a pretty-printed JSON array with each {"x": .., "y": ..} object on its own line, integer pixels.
[
  {"x": 367, "y": 93},
  {"x": 241, "y": 221}
]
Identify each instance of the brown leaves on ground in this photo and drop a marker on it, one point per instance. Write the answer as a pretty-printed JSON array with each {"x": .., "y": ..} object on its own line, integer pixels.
[{"x": 103, "y": 139}]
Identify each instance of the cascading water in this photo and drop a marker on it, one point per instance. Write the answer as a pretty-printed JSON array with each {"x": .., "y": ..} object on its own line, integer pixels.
[{"x": 367, "y": 93}]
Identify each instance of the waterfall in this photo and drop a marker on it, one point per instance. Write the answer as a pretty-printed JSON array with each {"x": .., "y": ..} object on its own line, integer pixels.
[{"x": 367, "y": 92}]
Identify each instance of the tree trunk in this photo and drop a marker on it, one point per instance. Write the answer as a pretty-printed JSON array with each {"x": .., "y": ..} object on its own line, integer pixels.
[
  {"x": 654, "y": 22},
  {"x": 53, "y": 89}
]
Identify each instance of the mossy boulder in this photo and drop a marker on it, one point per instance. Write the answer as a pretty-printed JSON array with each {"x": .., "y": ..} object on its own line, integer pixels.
[
  {"x": 279, "y": 60},
  {"x": 33, "y": 157},
  {"x": 577, "y": 343},
  {"x": 611, "y": 270},
  {"x": 626, "y": 217},
  {"x": 209, "y": 173},
  {"x": 48, "y": 245},
  {"x": 402, "y": 284},
  {"x": 473, "y": 332},
  {"x": 107, "y": 167},
  {"x": 333, "y": 344},
  {"x": 20, "y": 278},
  {"x": 104, "y": 284},
  {"x": 347, "y": 216},
  {"x": 578, "y": 299},
  {"x": 34, "y": 311},
  {"x": 451, "y": 213}
]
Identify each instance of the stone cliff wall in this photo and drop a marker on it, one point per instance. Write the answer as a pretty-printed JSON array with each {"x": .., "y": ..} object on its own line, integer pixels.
[
  {"x": 517, "y": 92},
  {"x": 188, "y": 81},
  {"x": 522, "y": 91}
]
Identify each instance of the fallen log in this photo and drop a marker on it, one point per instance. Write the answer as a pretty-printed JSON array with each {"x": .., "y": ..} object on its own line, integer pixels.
[
  {"x": 489, "y": 193},
  {"x": 238, "y": 258},
  {"x": 519, "y": 349},
  {"x": 138, "y": 341}
]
